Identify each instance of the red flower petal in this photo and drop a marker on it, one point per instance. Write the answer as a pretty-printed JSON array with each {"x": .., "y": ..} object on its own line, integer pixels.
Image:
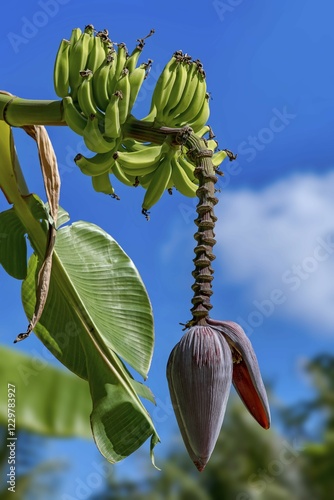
[{"x": 247, "y": 378}]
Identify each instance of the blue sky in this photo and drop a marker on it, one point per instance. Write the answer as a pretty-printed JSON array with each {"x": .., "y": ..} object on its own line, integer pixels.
[{"x": 271, "y": 82}]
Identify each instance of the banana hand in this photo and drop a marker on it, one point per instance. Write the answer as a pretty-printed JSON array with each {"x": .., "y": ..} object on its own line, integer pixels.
[{"x": 181, "y": 181}]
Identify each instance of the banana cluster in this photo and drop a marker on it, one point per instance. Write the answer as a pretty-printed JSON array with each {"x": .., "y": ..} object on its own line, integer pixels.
[
  {"x": 180, "y": 96},
  {"x": 94, "y": 78},
  {"x": 99, "y": 84},
  {"x": 160, "y": 168}
]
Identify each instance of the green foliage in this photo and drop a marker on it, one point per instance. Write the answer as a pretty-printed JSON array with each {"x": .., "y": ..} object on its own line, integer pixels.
[
  {"x": 36, "y": 479},
  {"x": 43, "y": 404},
  {"x": 13, "y": 247},
  {"x": 247, "y": 464},
  {"x": 319, "y": 454},
  {"x": 97, "y": 314}
]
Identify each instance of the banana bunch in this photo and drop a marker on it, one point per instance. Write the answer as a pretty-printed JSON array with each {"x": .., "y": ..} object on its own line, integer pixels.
[
  {"x": 157, "y": 168},
  {"x": 180, "y": 96},
  {"x": 99, "y": 82},
  {"x": 160, "y": 168},
  {"x": 99, "y": 85}
]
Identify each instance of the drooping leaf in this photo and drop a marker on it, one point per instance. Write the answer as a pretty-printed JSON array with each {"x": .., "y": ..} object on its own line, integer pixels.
[
  {"x": 49, "y": 168},
  {"x": 97, "y": 312},
  {"x": 49, "y": 401},
  {"x": 118, "y": 422},
  {"x": 13, "y": 246}
]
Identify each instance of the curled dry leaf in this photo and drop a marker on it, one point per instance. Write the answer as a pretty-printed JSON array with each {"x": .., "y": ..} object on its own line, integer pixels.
[{"x": 51, "y": 179}]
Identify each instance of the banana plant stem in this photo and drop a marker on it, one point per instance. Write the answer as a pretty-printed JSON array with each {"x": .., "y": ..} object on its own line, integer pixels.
[
  {"x": 205, "y": 222},
  {"x": 11, "y": 189},
  {"x": 145, "y": 131},
  {"x": 18, "y": 112}
]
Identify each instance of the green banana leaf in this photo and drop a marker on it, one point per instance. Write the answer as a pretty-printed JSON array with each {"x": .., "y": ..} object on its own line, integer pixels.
[
  {"x": 42, "y": 404},
  {"x": 13, "y": 246},
  {"x": 97, "y": 312},
  {"x": 96, "y": 315}
]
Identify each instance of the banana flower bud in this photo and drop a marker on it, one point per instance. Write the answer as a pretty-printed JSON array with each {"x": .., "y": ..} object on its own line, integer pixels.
[{"x": 200, "y": 370}]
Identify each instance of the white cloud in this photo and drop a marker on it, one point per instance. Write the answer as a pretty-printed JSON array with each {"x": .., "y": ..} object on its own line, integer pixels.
[{"x": 280, "y": 238}]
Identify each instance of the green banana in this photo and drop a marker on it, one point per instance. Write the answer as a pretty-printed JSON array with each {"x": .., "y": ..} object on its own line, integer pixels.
[
  {"x": 170, "y": 185},
  {"x": 101, "y": 183},
  {"x": 77, "y": 60},
  {"x": 123, "y": 87},
  {"x": 106, "y": 42},
  {"x": 197, "y": 102},
  {"x": 202, "y": 116},
  {"x": 189, "y": 88},
  {"x": 136, "y": 79},
  {"x": 181, "y": 180},
  {"x": 85, "y": 94},
  {"x": 111, "y": 81},
  {"x": 162, "y": 117},
  {"x": 93, "y": 137},
  {"x": 145, "y": 180},
  {"x": 134, "y": 56},
  {"x": 143, "y": 158},
  {"x": 204, "y": 130},
  {"x": 132, "y": 60},
  {"x": 96, "y": 55},
  {"x": 76, "y": 32},
  {"x": 100, "y": 81},
  {"x": 159, "y": 97},
  {"x": 217, "y": 158},
  {"x": 61, "y": 73},
  {"x": 128, "y": 180},
  {"x": 112, "y": 126},
  {"x": 212, "y": 144},
  {"x": 187, "y": 167},
  {"x": 176, "y": 94},
  {"x": 151, "y": 115},
  {"x": 97, "y": 165},
  {"x": 158, "y": 184},
  {"x": 140, "y": 170},
  {"x": 74, "y": 119},
  {"x": 89, "y": 29},
  {"x": 130, "y": 145},
  {"x": 122, "y": 54}
]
